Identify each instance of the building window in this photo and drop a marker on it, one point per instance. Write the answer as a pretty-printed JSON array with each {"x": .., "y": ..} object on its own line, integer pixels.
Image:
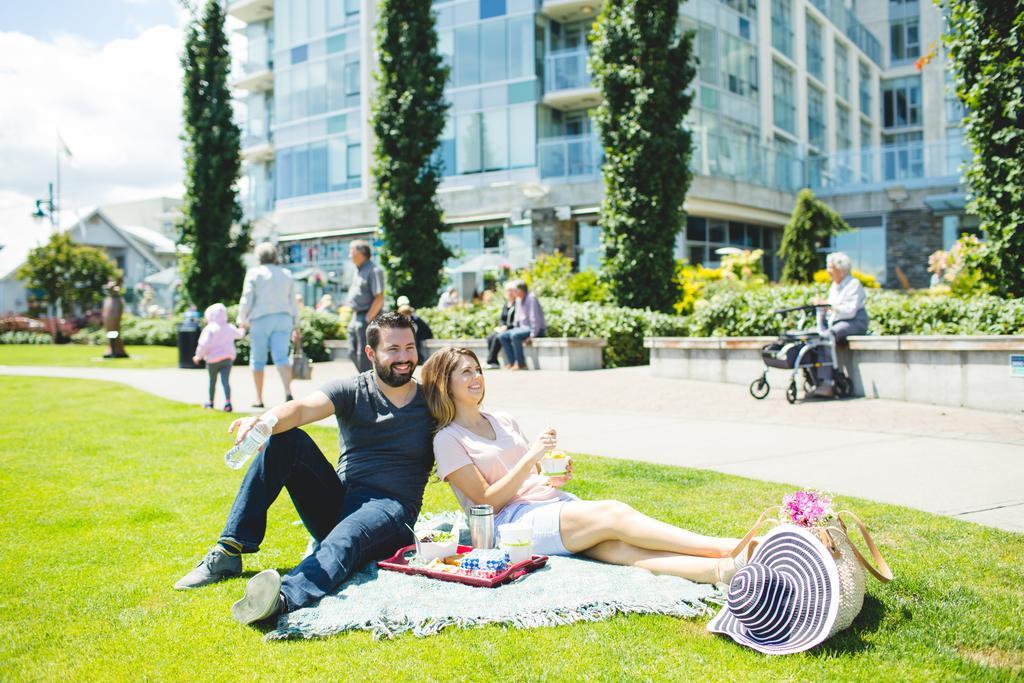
[
  {"x": 865, "y": 89},
  {"x": 867, "y": 154},
  {"x": 901, "y": 100},
  {"x": 782, "y": 23},
  {"x": 495, "y": 50},
  {"x": 904, "y": 40},
  {"x": 865, "y": 245},
  {"x": 788, "y": 173},
  {"x": 843, "y": 135},
  {"x": 783, "y": 98},
  {"x": 492, "y": 140},
  {"x": 903, "y": 156},
  {"x": 842, "y": 71},
  {"x": 816, "y": 117},
  {"x": 815, "y": 56},
  {"x": 955, "y": 109},
  {"x": 845, "y": 159}
]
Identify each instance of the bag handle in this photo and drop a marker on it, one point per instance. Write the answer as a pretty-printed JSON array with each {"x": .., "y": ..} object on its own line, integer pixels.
[
  {"x": 765, "y": 517},
  {"x": 883, "y": 573}
]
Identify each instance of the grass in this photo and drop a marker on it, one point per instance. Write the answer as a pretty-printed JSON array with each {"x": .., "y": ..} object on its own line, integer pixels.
[
  {"x": 85, "y": 356},
  {"x": 108, "y": 495}
]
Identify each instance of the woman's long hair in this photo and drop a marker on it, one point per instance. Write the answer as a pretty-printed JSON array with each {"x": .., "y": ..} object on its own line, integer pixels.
[{"x": 435, "y": 378}]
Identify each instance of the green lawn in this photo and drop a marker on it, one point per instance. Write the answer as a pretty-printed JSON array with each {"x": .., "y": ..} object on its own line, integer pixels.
[
  {"x": 80, "y": 355},
  {"x": 108, "y": 495}
]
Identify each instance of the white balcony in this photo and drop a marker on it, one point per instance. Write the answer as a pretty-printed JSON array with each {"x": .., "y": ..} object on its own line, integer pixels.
[
  {"x": 571, "y": 10},
  {"x": 256, "y": 81},
  {"x": 251, "y": 11},
  {"x": 567, "y": 83},
  {"x": 257, "y": 151}
]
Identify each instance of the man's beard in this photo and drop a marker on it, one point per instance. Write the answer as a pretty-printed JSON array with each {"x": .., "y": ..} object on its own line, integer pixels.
[{"x": 388, "y": 375}]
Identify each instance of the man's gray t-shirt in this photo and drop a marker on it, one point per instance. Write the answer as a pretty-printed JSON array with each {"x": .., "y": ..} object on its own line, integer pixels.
[
  {"x": 386, "y": 448},
  {"x": 367, "y": 283}
]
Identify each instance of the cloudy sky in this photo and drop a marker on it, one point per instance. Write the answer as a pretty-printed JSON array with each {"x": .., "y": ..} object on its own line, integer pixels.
[{"x": 105, "y": 73}]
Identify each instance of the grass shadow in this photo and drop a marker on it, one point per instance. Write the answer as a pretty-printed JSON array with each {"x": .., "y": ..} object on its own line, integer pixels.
[{"x": 852, "y": 641}]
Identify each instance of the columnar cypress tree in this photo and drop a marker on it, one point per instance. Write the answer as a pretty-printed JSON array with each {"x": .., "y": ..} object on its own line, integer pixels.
[
  {"x": 810, "y": 228},
  {"x": 213, "y": 271},
  {"x": 643, "y": 67},
  {"x": 408, "y": 118},
  {"x": 986, "y": 46}
]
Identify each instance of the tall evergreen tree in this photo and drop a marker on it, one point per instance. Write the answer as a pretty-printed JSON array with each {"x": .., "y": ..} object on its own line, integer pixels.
[
  {"x": 213, "y": 270},
  {"x": 643, "y": 66},
  {"x": 986, "y": 47},
  {"x": 810, "y": 228},
  {"x": 408, "y": 118}
]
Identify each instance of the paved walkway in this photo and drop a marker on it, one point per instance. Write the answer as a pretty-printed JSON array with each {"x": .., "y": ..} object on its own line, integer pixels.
[{"x": 963, "y": 463}]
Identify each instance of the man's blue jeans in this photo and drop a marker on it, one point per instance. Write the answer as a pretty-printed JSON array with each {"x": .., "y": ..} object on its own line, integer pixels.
[
  {"x": 352, "y": 524},
  {"x": 511, "y": 341}
]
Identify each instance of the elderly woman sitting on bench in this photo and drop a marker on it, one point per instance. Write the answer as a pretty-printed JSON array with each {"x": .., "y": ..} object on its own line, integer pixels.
[{"x": 842, "y": 313}]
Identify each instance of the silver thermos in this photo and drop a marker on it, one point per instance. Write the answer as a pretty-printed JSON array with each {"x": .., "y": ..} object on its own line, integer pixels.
[{"x": 481, "y": 526}]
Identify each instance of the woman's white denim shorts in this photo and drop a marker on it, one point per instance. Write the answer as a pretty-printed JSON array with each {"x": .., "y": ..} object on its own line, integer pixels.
[
  {"x": 273, "y": 331},
  {"x": 544, "y": 518}
]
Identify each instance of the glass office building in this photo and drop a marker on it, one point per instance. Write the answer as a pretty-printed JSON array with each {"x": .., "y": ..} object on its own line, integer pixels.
[{"x": 808, "y": 97}]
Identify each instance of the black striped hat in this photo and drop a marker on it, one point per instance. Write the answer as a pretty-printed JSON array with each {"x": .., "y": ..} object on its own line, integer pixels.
[{"x": 786, "y": 599}]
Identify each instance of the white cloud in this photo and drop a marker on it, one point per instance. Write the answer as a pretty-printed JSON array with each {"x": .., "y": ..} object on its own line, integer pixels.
[{"x": 117, "y": 106}]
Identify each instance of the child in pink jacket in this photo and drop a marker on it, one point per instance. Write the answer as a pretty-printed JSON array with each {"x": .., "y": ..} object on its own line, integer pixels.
[{"x": 217, "y": 348}]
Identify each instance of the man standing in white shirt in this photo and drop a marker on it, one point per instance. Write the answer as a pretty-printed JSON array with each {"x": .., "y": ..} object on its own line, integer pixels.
[{"x": 846, "y": 314}]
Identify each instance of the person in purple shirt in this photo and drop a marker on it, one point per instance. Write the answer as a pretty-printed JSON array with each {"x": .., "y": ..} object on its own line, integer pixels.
[{"x": 529, "y": 324}]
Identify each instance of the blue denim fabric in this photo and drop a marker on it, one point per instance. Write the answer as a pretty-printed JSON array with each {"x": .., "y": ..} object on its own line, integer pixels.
[
  {"x": 353, "y": 525},
  {"x": 511, "y": 341},
  {"x": 272, "y": 330}
]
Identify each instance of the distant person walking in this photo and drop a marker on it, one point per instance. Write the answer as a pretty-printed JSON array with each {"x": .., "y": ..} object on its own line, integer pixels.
[
  {"x": 217, "y": 347},
  {"x": 529, "y": 324},
  {"x": 365, "y": 298},
  {"x": 268, "y": 309}
]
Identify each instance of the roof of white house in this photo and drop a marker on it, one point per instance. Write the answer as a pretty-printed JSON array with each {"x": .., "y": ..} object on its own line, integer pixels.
[
  {"x": 20, "y": 233},
  {"x": 161, "y": 244}
]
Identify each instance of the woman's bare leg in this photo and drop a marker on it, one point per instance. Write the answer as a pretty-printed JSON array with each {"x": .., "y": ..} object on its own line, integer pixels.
[
  {"x": 584, "y": 524},
  {"x": 700, "y": 569}
]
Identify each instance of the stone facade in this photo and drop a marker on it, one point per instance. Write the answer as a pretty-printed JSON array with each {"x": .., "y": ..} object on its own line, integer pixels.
[{"x": 911, "y": 236}]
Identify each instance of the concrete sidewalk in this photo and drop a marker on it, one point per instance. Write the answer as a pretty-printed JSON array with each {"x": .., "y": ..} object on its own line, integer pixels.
[{"x": 962, "y": 463}]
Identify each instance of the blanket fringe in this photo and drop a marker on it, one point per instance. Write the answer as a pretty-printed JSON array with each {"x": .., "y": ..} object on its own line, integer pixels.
[{"x": 384, "y": 628}]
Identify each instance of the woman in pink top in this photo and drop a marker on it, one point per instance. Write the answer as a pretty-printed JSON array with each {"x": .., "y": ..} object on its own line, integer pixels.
[
  {"x": 217, "y": 347},
  {"x": 487, "y": 459}
]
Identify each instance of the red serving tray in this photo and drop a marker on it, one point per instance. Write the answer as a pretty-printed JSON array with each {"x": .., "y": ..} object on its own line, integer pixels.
[{"x": 400, "y": 563}]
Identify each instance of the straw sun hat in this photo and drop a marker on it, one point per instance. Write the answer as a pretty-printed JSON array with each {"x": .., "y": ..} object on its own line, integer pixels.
[{"x": 786, "y": 599}]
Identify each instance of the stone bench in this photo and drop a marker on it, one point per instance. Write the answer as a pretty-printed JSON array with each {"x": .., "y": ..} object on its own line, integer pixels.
[
  {"x": 338, "y": 348},
  {"x": 545, "y": 353},
  {"x": 953, "y": 370}
]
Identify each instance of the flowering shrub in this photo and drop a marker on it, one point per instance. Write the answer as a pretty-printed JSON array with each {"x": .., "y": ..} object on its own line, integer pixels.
[
  {"x": 962, "y": 268},
  {"x": 822, "y": 278}
]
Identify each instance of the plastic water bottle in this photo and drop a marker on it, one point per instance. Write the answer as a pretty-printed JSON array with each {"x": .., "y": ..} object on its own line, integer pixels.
[{"x": 251, "y": 444}]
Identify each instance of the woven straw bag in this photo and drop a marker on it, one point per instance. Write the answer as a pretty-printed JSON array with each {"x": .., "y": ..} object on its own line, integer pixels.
[{"x": 851, "y": 565}]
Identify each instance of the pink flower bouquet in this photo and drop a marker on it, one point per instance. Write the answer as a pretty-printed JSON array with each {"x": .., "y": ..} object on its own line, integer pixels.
[{"x": 807, "y": 509}]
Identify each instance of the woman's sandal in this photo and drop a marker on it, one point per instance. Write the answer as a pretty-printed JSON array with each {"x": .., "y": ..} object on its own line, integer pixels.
[{"x": 257, "y": 405}]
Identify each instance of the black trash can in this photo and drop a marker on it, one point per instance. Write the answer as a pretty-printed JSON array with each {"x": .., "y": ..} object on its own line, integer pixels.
[{"x": 188, "y": 338}]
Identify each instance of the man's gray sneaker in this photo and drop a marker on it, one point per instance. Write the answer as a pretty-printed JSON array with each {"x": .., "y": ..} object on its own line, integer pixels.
[
  {"x": 216, "y": 566},
  {"x": 262, "y": 598}
]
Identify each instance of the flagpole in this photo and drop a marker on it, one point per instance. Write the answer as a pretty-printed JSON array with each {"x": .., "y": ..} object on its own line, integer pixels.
[{"x": 56, "y": 208}]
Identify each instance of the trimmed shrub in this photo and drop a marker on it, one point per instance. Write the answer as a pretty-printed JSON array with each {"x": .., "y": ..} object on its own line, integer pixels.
[
  {"x": 623, "y": 328},
  {"x": 21, "y": 337},
  {"x": 750, "y": 313},
  {"x": 135, "y": 331},
  {"x": 315, "y": 327}
]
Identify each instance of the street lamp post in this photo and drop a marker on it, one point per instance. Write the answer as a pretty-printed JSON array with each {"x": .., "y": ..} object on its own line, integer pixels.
[{"x": 46, "y": 208}]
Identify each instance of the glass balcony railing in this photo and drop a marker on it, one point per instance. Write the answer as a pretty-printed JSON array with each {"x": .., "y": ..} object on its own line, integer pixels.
[
  {"x": 258, "y": 58},
  {"x": 570, "y": 158},
  {"x": 846, "y": 21},
  {"x": 909, "y": 163},
  {"x": 566, "y": 70},
  {"x": 579, "y": 158}
]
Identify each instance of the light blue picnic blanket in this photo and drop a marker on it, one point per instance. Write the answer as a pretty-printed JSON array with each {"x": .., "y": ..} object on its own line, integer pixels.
[{"x": 567, "y": 590}]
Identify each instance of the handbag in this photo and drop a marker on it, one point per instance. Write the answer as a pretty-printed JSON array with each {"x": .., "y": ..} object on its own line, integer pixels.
[
  {"x": 302, "y": 368},
  {"x": 851, "y": 564}
]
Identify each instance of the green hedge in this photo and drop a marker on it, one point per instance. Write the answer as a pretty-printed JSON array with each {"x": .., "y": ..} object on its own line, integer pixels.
[
  {"x": 316, "y": 327},
  {"x": 623, "y": 328},
  {"x": 21, "y": 337},
  {"x": 749, "y": 313}
]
